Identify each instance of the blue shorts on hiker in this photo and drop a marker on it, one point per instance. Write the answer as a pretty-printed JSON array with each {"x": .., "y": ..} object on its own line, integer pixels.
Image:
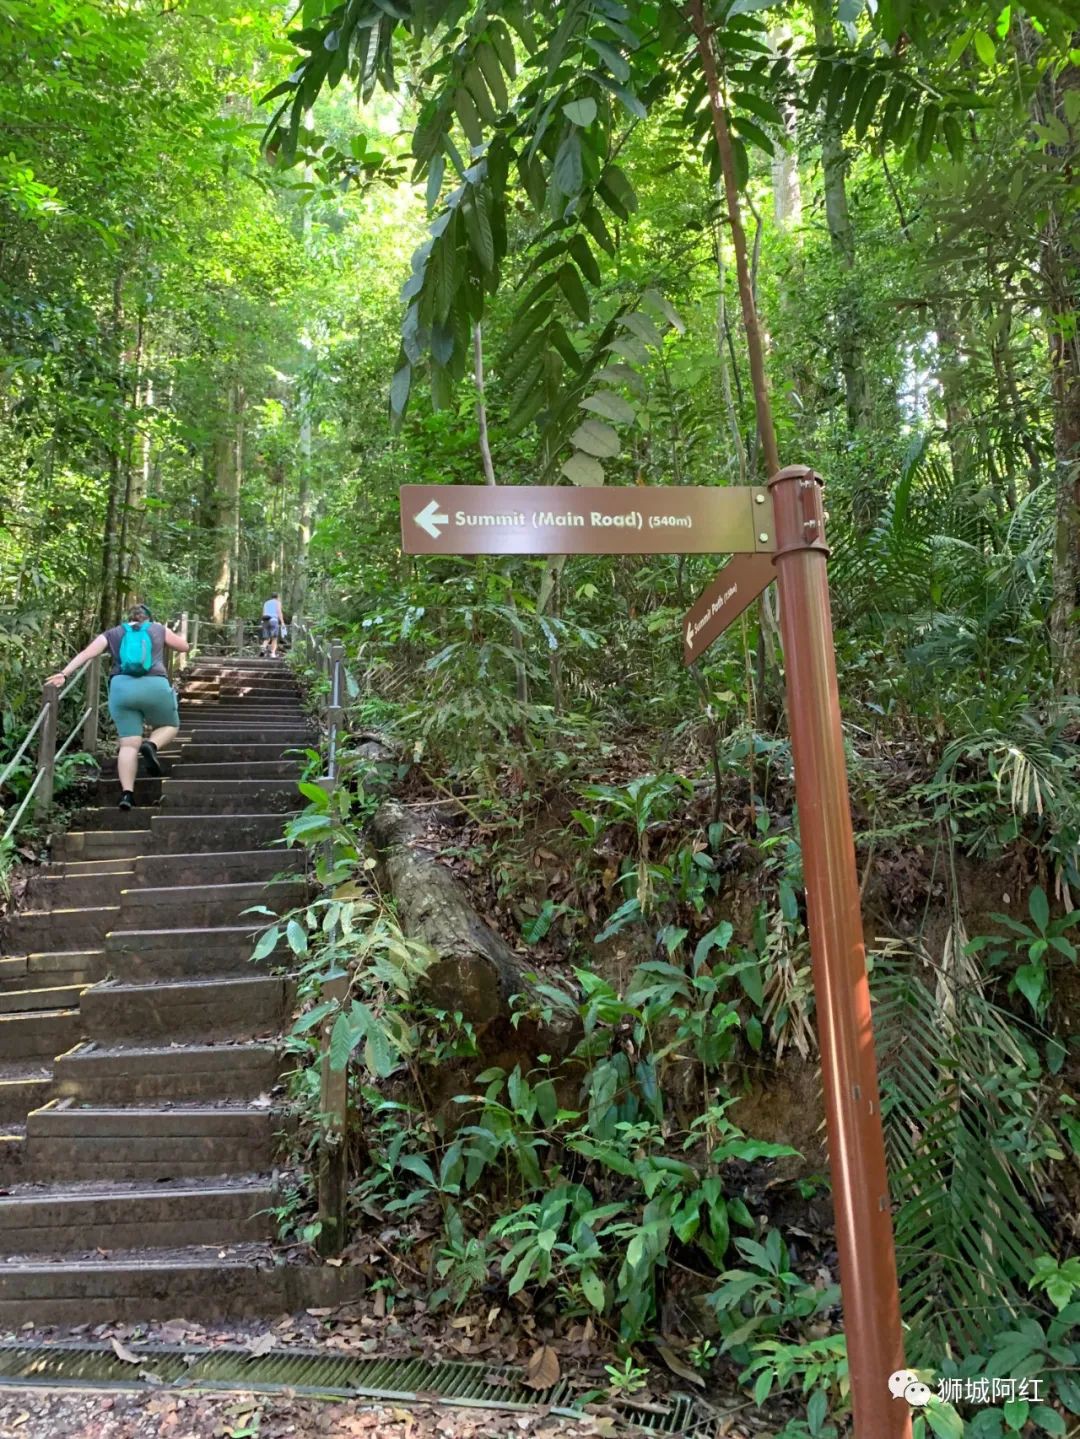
[{"x": 135, "y": 701}]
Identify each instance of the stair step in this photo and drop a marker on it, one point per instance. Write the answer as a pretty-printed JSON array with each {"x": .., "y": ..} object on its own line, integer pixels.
[
  {"x": 97, "y": 1074},
  {"x": 242, "y": 752},
  {"x": 77, "y": 868},
  {"x": 39, "y": 1035},
  {"x": 205, "y": 732},
  {"x": 147, "y": 791},
  {"x": 63, "y": 967},
  {"x": 103, "y": 843},
  {"x": 13, "y": 1154},
  {"x": 220, "y": 866},
  {"x": 207, "y": 905},
  {"x": 148, "y": 1144},
  {"x": 29, "y": 1001},
  {"x": 207, "y": 833},
  {"x": 109, "y": 816},
  {"x": 240, "y": 769},
  {"x": 148, "y": 956},
  {"x": 197, "y": 1283},
  {"x": 59, "y": 929},
  {"x": 71, "y": 891},
  {"x": 238, "y": 796},
  {"x": 22, "y": 1088},
  {"x": 60, "y": 1219},
  {"x": 191, "y": 1008}
]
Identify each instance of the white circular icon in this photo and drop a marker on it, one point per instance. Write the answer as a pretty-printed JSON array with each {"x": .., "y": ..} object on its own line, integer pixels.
[
  {"x": 899, "y": 1382},
  {"x": 917, "y": 1394}
]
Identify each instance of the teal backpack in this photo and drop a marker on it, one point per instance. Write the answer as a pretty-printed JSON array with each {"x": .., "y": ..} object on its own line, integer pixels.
[{"x": 136, "y": 657}]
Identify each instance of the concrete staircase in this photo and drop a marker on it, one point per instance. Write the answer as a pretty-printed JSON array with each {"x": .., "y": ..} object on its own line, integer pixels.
[{"x": 140, "y": 1047}]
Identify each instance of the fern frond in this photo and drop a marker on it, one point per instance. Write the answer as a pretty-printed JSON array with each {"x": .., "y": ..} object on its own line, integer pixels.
[{"x": 966, "y": 1233}]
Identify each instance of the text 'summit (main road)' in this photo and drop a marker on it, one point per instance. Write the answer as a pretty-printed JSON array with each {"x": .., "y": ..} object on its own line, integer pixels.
[{"x": 561, "y": 520}]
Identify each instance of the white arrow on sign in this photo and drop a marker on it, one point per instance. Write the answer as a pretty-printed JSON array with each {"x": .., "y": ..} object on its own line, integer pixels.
[
  {"x": 430, "y": 517},
  {"x": 689, "y": 635}
]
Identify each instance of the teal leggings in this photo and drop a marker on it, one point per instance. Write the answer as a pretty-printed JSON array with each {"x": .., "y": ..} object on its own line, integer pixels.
[{"x": 147, "y": 700}]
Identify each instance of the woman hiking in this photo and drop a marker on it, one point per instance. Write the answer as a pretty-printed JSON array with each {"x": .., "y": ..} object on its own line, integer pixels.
[{"x": 139, "y": 690}]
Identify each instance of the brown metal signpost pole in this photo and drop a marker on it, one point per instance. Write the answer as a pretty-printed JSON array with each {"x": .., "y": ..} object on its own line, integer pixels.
[{"x": 856, "y": 1143}]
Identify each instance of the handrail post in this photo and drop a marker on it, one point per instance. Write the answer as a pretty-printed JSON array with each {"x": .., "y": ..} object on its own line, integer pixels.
[
  {"x": 239, "y": 638},
  {"x": 93, "y": 704},
  {"x": 335, "y": 710},
  {"x": 333, "y": 1158},
  {"x": 183, "y": 635},
  {"x": 50, "y": 700},
  {"x": 195, "y": 633}
]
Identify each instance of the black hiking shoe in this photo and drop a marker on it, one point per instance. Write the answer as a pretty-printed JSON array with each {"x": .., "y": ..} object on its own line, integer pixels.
[
  {"x": 148, "y": 750},
  {"x": 127, "y": 799}
]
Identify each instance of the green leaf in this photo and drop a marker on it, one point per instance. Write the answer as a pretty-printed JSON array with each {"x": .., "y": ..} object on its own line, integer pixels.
[
  {"x": 592, "y": 1286},
  {"x": 478, "y": 228},
  {"x": 596, "y": 438},
  {"x": 816, "y": 1410},
  {"x": 617, "y": 192},
  {"x": 1047, "y": 1420},
  {"x": 1039, "y": 908},
  {"x": 268, "y": 942},
  {"x": 342, "y": 1040},
  {"x": 581, "y": 112},
  {"x": 568, "y": 173},
  {"x": 985, "y": 48},
  {"x": 465, "y": 110},
  {"x": 747, "y": 7},
  {"x": 1030, "y": 980},
  {"x": 313, "y": 1017},
  {"x": 582, "y": 469},
  {"x": 399, "y": 389},
  {"x": 641, "y": 325},
  {"x": 944, "y": 1420},
  {"x": 297, "y": 937},
  {"x": 574, "y": 290},
  {"x": 1016, "y": 1413},
  {"x": 584, "y": 258},
  {"x": 611, "y": 58},
  {"x": 315, "y": 793},
  {"x": 719, "y": 937},
  {"x": 610, "y": 406}
]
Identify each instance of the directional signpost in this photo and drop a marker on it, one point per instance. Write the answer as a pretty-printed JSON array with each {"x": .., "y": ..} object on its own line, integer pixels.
[
  {"x": 562, "y": 520},
  {"x": 736, "y": 586},
  {"x": 779, "y": 533}
]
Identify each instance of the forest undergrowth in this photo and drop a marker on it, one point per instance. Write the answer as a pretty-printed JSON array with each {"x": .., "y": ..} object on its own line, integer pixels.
[{"x": 662, "y": 1180}]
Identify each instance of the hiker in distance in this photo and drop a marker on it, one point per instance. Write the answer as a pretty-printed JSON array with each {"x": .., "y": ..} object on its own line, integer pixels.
[
  {"x": 273, "y": 625},
  {"x": 139, "y": 690}
]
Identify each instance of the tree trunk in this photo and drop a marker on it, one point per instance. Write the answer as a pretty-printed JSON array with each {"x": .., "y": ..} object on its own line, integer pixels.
[
  {"x": 951, "y": 378},
  {"x": 1061, "y": 277},
  {"x": 842, "y": 235},
  {"x": 137, "y": 476},
  {"x": 110, "y": 548},
  {"x": 227, "y": 497},
  {"x": 762, "y": 407},
  {"x": 474, "y": 972}
]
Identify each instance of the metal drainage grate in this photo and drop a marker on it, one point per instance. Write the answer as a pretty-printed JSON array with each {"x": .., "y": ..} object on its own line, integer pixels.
[{"x": 312, "y": 1373}]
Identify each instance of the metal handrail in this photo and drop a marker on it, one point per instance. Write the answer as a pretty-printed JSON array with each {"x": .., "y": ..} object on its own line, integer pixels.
[
  {"x": 27, "y": 797},
  {"x": 31, "y": 732},
  {"x": 45, "y": 725},
  {"x": 78, "y": 726}
]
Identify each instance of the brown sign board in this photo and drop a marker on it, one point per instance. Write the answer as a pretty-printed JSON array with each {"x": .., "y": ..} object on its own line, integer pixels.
[
  {"x": 566, "y": 520},
  {"x": 737, "y": 585}
]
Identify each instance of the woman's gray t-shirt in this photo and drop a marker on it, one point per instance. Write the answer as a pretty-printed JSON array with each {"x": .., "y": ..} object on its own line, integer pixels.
[{"x": 114, "y": 636}]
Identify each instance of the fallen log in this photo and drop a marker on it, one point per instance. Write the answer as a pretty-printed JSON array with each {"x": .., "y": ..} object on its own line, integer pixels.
[{"x": 475, "y": 973}]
